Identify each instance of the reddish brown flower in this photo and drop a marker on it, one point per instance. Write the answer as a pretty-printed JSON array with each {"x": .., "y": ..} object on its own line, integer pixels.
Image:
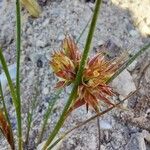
[
  {"x": 71, "y": 50},
  {"x": 63, "y": 67},
  {"x": 98, "y": 70}
]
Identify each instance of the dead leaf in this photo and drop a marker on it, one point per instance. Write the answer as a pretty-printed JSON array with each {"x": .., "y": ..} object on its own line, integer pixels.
[{"x": 5, "y": 128}]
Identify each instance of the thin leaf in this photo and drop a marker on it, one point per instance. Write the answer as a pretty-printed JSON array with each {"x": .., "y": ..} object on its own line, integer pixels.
[
  {"x": 32, "y": 108},
  {"x": 30, "y": 119},
  {"x": 47, "y": 115}
]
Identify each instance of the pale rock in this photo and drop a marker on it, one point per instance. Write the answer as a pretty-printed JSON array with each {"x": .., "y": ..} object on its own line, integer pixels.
[
  {"x": 92, "y": 144},
  {"x": 91, "y": 5},
  {"x": 100, "y": 42},
  {"x": 125, "y": 103},
  {"x": 61, "y": 37},
  {"x": 103, "y": 147},
  {"x": 105, "y": 125},
  {"x": 41, "y": 43},
  {"x": 147, "y": 115},
  {"x": 124, "y": 84},
  {"x": 132, "y": 66},
  {"x": 136, "y": 142},
  {"x": 117, "y": 141},
  {"x": 45, "y": 23},
  {"x": 40, "y": 146},
  {"x": 45, "y": 91},
  {"x": 134, "y": 33},
  {"x": 3, "y": 5},
  {"x": 144, "y": 28},
  {"x": 147, "y": 74},
  {"x": 56, "y": 147},
  {"x": 146, "y": 135},
  {"x": 3, "y": 79},
  {"x": 31, "y": 74}
]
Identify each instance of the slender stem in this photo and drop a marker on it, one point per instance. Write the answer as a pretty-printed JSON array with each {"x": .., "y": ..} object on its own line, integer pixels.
[
  {"x": 7, "y": 117},
  {"x": 78, "y": 39},
  {"x": 18, "y": 46},
  {"x": 79, "y": 75},
  {"x": 90, "y": 119},
  {"x": 130, "y": 60},
  {"x": 47, "y": 115},
  {"x": 30, "y": 118},
  {"x": 99, "y": 133}
]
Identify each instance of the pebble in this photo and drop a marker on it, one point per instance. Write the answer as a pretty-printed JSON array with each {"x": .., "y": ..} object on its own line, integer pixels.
[
  {"x": 105, "y": 125},
  {"x": 136, "y": 142},
  {"x": 146, "y": 135},
  {"x": 45, "y": 91},
  {"x": 41, "y": 43},
  {"x": 39, "y": 63},
  {"x": 61, "y": 37},
  {"x": 3, "y": 79},
  {"x": 147, "y": 74},
  {"x": 132, "y": 66},
  {"x": 148, "y": 114},
  {"x": 102, "y": 147},
  {"x": 124, "y": 84},
  {"x": 46, "y": 22},
  {"x": 134, "y": 33}
]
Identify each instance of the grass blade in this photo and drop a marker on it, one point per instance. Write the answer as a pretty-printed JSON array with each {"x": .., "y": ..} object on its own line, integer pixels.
[
  {"x": 47, "y": 115},
  {"x": 29, "y": 120},
  {"x": 33, "y": 106}
]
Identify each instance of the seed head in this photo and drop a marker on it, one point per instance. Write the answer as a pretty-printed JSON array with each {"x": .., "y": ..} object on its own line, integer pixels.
[{"x": 98, "y": 70}]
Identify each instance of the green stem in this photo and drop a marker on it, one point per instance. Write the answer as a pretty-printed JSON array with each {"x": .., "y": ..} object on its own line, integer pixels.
[
  {"x": 129, "y": 61},
  {"x": 7, "y": 117},
  {"x": 78, "y": 77},
  {"x": 18, "y": 46}
]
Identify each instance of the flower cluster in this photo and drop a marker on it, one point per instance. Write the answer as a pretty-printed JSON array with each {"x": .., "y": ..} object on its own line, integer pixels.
[{"x": 97, "y": 71}]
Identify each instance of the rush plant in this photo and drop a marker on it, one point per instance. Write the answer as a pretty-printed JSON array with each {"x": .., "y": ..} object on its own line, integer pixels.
[{"x": 90, "y": 78}]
